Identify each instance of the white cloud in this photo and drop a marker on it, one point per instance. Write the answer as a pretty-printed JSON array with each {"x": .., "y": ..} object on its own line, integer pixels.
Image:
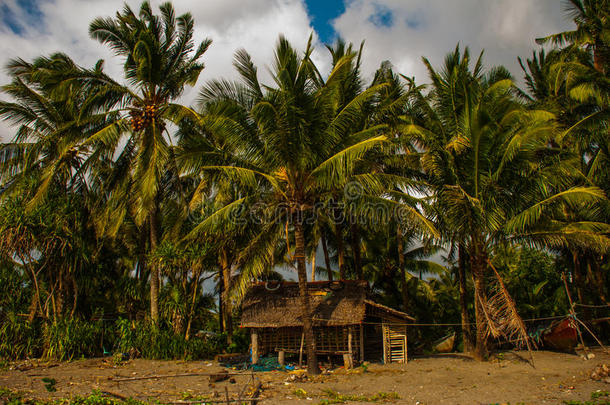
[
  {"x": 506, "y": 29},
  {"x": 231, "y": 24}
]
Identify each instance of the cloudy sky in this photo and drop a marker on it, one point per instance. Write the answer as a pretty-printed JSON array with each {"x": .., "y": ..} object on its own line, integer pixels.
[{"x": 401, "y": 31}]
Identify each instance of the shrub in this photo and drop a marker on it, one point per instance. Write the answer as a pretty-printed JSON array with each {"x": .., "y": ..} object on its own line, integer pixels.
[
  {"x": 19, "y": 338},
  {"x": 71, "y": 338},
  {"x": 160, "y": 342}
]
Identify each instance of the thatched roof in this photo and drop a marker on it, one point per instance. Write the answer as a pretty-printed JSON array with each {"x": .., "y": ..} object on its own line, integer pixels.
[{"x": 333, "y": 303}]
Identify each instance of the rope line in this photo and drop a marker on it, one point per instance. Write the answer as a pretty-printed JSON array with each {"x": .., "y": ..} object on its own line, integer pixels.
[
  {"x": 460, "y": 324},
  {"x": 591, "y": 306}
]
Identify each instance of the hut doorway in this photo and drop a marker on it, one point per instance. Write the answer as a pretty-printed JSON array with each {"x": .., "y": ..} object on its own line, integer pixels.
[{"x": 394, "y": 343}]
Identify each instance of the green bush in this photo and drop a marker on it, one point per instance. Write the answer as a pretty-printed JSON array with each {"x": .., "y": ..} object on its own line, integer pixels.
[
  {"x": 72, "y": 338},
  {"x": 68, "y": 339},
  {"x": 160, "y": 342},
  {"x": 240, "y": 343},
  {"x": 19, "y": 338}
]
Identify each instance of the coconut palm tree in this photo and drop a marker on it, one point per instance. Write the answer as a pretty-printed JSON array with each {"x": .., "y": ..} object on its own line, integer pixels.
[
  {"x": 493, "y": 175},
  {"x": 592, "y": 19},
  {"x": 294, "y": 146},
  {"x": 48, "y": 140},
  {"x": 160, "y": 60},
  {"x": 566, "y": 83}
]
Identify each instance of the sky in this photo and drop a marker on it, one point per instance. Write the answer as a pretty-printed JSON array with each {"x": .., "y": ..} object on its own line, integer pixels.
[{"x": 401, "y": 31}]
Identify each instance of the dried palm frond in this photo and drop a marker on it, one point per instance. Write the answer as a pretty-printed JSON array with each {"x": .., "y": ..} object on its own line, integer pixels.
[
  {"x": 492, "y": 327},
  {"x": 502, "y": 317}
]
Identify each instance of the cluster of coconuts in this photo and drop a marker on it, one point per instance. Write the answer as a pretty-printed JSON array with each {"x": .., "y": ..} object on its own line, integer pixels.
[{"x": 142, "y": 118}]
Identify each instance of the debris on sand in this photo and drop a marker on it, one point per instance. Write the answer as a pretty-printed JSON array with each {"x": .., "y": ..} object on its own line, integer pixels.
[
  {"x": 217, "y": 377},
  {"x": 601, "y": 373}
]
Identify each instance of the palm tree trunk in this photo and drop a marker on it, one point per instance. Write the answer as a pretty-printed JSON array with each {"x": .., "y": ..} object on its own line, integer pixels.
[
  {"x": 479, "y": 266},
  {"x": 598, "y": 61},
  {"x": 59, "y": 308},
  {"x": 578, "y": 279},
  {"x": 312, "y": 361},
  {"x": 313, "y": 266},
  {"x": 467, "y": 338},
  {"x": 327, "y": 258},
  {"x": 154, "y": 270},
  {"x": 74, "y": 297},
  {"x": 401, "y": 266},
  {"x": 189, "y": 321},
  {"x": 355, "y": 239},
  {"x": 226, "y": 289},
  {"x": 598, "y": 275},
  {"x": 36, "y": 303},
  {"x": 221, "y": 306},
  {"x": 340, "y": 250}
]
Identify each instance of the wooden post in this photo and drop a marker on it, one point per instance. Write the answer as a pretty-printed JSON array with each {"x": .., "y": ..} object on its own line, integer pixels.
[
  {"x": 281, "y": 357},
  {"x": 254, "y": 336},
  {"x": 406, "y": 350},
  {"x": 301, "y": 349},
  {"x": 348, "y": 359},
  {"x": 361, "y": 343},
  {"x": 349, "y": 339},
  {"x": 383, "y": 339}
]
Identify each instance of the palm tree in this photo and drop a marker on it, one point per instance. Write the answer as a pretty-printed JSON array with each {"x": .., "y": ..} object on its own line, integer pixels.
[
  {"x": 393, "y": 254},
  {"x": 48, "y": 141},
  {"x": 566, "y": 83},
  {"x": 45, "y": 165},
  {"x": 480, "y": 148},
  {"x": 592, "y": 18},
  {"x": 160, "y": 59},
  {"x": 295, "y": 145}
]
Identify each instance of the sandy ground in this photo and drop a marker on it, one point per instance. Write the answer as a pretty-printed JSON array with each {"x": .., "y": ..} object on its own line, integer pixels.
[{"x": 440, "y": 379}]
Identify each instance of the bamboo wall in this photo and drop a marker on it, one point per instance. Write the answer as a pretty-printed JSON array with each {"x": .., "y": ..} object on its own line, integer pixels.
[{"x": 329, "y": 340}]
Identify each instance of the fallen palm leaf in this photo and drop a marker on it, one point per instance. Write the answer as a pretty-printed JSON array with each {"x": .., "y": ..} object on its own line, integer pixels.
[{"x": 502, "y": 318}]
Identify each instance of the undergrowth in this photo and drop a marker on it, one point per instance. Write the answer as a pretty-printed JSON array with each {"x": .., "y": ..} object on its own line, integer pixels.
[
  {"x": 336, "y": 398},
  {"x": 10, "y": 397},
  {"x": 70, "y": 339},
  {"x": 597, "y": 398}
]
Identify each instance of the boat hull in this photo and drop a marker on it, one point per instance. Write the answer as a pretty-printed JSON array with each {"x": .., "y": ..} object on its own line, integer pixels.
[
  {"x": 561, "y": 336},
  {"x": 446, "y": 345}
]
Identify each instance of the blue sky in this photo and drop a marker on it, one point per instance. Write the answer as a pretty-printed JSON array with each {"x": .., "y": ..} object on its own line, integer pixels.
[{"x": 322, "y": 13}]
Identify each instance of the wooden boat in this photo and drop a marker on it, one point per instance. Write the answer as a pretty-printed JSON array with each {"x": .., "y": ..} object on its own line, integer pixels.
[
  {"x": 444, "y": 345},
  {"x": 561, "y": 335}
]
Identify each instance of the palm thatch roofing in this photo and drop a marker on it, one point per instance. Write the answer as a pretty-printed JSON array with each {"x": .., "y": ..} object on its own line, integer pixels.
[{"x": 339, "y": 303}]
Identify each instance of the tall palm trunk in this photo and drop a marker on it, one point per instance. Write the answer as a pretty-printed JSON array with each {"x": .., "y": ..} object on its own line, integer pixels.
[
  {"x": 401, "y": 266},
  {"x": 468, "y": 346},
  {"x": 36, "y": 304},
  {"x": 312, "y": 361},
  {"x": 578, "y": 278},
  {"x": 154, "y": 269},
  {"x": 196, "y": 274},
  {"x": 313, "y": 266},
  {"x": 226, "y": 289},
  {"x": 478, "y": 261},
  {"x": 355, "y": 239},
  {"x": 598, "y": 276},
  {"x": 327, "y": 258},
  {"x": 598, "y": 56},
  {"x": 221, "y": 305},
  {"x": 340, "y": 250}
]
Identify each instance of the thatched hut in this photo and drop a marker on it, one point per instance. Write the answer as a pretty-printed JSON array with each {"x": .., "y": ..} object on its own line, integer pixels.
[{"x": 346, "y": 322}]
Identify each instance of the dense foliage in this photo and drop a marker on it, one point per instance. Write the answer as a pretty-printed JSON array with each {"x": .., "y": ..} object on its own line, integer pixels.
[{"x": 128, "y": 222}]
